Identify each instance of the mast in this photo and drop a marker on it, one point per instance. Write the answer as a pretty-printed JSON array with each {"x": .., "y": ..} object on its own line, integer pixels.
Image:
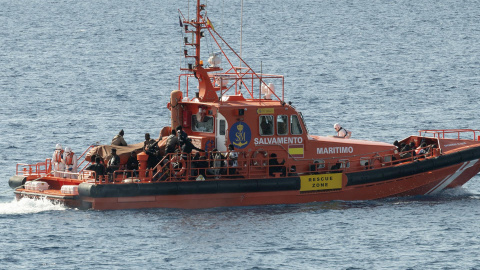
[
  {"x": 235, "y": 77},
  {"x": 207, "y": 91}
]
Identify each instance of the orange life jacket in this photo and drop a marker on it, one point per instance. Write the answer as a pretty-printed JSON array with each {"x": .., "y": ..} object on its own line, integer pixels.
[
  {"x": 58, "y": 156},
  {"x": 69, "y": 159}
]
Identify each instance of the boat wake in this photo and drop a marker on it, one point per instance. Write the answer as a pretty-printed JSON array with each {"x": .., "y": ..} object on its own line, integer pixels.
[
  {"x": 454, "y": 194},
  {"x": 29, "y": 206}
]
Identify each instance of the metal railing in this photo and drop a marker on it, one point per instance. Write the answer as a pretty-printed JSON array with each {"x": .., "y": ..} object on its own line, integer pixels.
[{"x": 441, "y": 133}]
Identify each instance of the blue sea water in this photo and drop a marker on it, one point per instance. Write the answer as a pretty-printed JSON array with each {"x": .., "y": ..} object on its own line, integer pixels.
[{"x": 76, "y": 72}]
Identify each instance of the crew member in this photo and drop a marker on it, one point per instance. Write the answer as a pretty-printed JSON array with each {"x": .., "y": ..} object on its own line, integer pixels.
[
  {"x": 341, "y": 132},
  {"x": 57, "y": 160},
  {"x": 119, "y": 140},
  {"x": 70, "y": 160}
]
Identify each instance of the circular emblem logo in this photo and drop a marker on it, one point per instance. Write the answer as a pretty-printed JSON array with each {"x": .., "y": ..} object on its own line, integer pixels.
[{"x": 240, "y": 135}]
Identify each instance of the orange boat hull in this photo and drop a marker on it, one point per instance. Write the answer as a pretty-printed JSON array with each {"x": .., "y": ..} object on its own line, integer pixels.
[{"x": 430, "y": 182}]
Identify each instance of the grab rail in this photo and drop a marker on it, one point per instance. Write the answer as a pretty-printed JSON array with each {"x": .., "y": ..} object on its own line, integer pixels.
[{"x": 440, "y": 133}]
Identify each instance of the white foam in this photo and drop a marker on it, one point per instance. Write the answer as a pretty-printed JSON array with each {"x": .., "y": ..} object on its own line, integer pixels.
[{"x": 29, "y": 206}]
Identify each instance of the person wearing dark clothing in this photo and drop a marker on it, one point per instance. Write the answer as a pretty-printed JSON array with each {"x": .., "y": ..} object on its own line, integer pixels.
[
  {"x": 151, "y": 149},
  {"x": 202, "y": 166},
  {"x": 195, "y": 164},
  {"x": 405, "y": 152},
  {"x": 293, "y": 171},
  {"x": 188, "y": 147},
  {"x": 114, "y": 162},
  {"x": 172, "y": 143},
  {"x": 148, "y": 141},
  {"x": 132, "y": 165},
  {"x": 397, "y": 144},
  {"x": 275, "y": 166},
  {"x": 412, "y": 147},
  {"x": 182, "y": 135},
  {"x": 97, "y": 167}
]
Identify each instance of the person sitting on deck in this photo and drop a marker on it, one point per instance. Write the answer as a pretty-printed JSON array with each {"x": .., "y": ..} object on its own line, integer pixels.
[
  {"x": 406, "y": 151},
  {"x": 293, "y": 171},
  {"x": 113, "y": 163},
  {"x": 97, "y": 167},
  {"x": 421, "y": 149},
  {"x": 132, "y": 165},
  {"x": 397, "y": 144},
  {"x": 274, "y": 166},
  {"x": 201, "y": 167},
  {"x": 412, "y": 147},
  {"x": 118, "y": 140}
]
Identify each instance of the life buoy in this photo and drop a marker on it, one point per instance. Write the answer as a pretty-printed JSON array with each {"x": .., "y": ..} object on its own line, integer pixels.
[
  {"x": 376, "y": 161},
  {"x": 180, "y": 169}
]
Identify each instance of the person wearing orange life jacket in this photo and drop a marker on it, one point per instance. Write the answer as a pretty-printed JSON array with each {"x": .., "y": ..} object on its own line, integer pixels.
[
  {"x": 70, "y": 160},
  {"x": 57, "y": 161},
  {"x": 341, "y": 132}
]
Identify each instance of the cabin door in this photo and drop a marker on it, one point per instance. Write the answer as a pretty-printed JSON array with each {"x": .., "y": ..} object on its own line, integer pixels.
[{"x": 221, "y": 131}]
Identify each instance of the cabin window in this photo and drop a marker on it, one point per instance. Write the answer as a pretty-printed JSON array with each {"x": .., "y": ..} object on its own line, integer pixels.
[
  {"x": 222, "y": 127},
  {"x": 202, "y": 126},
  {"x": 266, "y": 125},
  {"x": 282, "y": 125},
  {"x": 295, "y": 126}
]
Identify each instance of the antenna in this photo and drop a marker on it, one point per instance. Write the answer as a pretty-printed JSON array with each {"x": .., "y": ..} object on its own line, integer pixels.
[{"x": 241, "y": 30}]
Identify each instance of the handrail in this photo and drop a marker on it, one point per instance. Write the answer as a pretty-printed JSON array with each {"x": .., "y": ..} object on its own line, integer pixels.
[
  {"x": 84, "y": 154},
  {"x": 250, "y": 165},
  {"x": 34, "y": 169},
  {"x": 237, "y": 79},
  {"x": 440, "y": 133}
]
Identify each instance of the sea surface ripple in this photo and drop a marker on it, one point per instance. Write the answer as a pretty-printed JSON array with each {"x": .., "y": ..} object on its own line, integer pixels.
[{"x": 76, "y": 72}]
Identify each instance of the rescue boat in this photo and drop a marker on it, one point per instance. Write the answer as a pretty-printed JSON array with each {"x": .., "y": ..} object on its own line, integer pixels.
[{"x": 256, "y": 150}]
